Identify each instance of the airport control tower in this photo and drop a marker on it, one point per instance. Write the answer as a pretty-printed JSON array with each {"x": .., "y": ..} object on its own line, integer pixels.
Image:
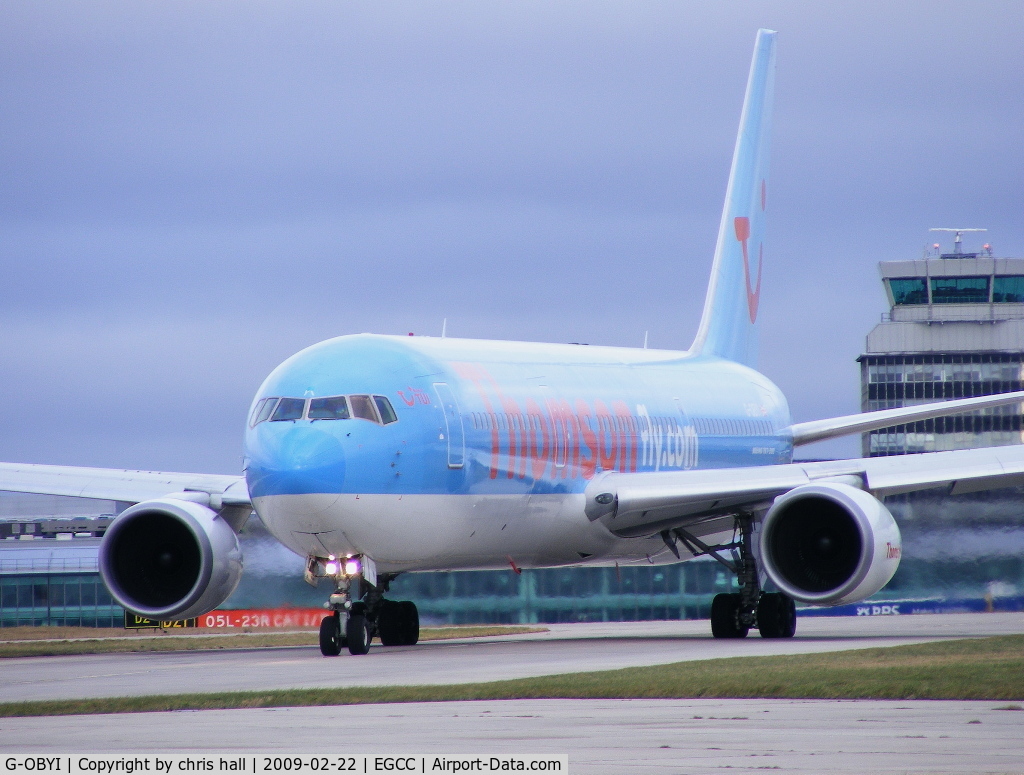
[{"x": 955, "y": 328}]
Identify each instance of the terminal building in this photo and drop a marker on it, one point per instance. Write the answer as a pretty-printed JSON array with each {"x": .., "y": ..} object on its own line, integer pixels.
[
  {"x": 955, "y": 329},
  {"x": 49, "y": 573}
]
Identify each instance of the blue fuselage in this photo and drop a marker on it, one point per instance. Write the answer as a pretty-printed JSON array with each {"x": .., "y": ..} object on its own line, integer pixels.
[{"x": 489, "y": 423}]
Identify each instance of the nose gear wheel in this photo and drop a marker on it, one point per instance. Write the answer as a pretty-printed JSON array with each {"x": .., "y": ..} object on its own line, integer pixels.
[{"x": 331, "y": 641}]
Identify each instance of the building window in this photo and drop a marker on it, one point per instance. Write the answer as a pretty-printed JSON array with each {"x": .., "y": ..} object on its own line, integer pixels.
[
  {"x": 890, "y": 381},
  {"x": 1009, "y": 288},
  {"x": 959, "y": 290},
  {"x": 908, "y": 290}
]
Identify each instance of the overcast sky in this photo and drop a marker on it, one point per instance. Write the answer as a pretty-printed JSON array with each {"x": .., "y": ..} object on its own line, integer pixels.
[{"x": 191, "y": 192}]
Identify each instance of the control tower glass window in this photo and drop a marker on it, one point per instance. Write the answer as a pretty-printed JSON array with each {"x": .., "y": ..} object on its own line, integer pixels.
[
  {"x": 959, "y": 290},
  {"x": 908, "y": 290},
  {"x": 1009, "y": 288}
]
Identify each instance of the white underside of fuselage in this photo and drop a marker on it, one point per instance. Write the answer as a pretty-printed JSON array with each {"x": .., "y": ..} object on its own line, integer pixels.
[{"x": 449, "y": 532}]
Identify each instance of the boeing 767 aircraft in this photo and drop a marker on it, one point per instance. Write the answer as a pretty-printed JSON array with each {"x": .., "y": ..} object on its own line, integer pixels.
[{"x": 372, "y": 456}]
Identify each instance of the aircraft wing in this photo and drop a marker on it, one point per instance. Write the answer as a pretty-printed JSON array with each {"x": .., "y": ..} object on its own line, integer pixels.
[
  {"x": 120, "y": 485},
  {"x": 819, "y": 430},
  {"x": 646, "y": 503}
]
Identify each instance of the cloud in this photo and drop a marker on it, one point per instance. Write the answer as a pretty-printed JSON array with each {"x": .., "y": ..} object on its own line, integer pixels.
[{"x": 191, "y": 192}]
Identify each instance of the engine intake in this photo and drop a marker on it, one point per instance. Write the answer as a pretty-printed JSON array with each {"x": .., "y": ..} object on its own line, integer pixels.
[
  {"x": 170, "y": 559},
  {"x": 829, "y": 544}
]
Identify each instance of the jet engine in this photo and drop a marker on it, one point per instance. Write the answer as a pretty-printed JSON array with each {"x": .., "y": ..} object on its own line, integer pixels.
[
  {"x": 829, "y": 544},
  {"x": 170, "y": 559}
]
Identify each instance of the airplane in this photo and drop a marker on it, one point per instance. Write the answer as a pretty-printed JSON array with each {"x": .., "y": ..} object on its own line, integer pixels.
[{"x": 372, "y": 456}]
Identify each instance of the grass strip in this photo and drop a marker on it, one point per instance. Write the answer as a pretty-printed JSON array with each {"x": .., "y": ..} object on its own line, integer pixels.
[
  {"x": 117, "y": 642},
  {"x": 972, "y": 669}
]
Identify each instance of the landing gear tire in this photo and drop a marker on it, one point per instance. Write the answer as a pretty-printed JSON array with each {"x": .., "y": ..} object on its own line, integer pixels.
[
  {"x": 776, "y": 615},
  {"x": 357, "y": 633},
  {"x": 389, "y": 623},
  {"x": 398, "y": 624},
  {"x": 724, "y": 617},
  {"x": 410, "y": 623},
  {"x": 330, "y": 635}
]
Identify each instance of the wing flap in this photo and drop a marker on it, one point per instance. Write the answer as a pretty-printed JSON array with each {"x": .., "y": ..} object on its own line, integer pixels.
[
  {"x": 645, "y": 503},
  {"x": 116, "y": 484},
  {"x": 626, "y": 503}
]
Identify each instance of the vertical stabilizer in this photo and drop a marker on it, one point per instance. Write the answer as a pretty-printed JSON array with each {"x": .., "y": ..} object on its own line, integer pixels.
[{"x": 728, "y": 327}]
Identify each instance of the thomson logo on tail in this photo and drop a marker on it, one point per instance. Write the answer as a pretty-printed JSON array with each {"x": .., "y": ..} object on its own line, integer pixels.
[
  {"x": 742, "y": 228},
  {"x": 728, "y": 327}
]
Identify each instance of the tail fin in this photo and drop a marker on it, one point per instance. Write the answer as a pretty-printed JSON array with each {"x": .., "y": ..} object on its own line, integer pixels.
[{"x": 728, "y": 326}]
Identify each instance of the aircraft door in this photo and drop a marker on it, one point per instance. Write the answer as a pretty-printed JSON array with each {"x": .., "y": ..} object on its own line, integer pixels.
[{"x": 454, "y": 432}]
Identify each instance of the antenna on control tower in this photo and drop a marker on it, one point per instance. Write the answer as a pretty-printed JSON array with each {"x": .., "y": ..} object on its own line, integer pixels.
[{"x": 958, "y": 248}]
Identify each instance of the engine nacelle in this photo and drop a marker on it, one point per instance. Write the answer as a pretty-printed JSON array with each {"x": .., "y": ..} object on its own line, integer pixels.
[
  {"x": 170, "y": 559},
  {"x": 829, "y": 544}
]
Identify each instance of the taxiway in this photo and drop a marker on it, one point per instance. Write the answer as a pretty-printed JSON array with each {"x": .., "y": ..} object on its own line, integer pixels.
[
  {"x": 565, "y": 648},
  {"x": 600, "y": 736}
]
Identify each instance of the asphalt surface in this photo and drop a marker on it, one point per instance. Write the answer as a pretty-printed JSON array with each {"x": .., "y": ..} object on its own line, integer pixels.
[
  {"x": 600, "y": 736},
  {"x": 566, "y": 648}
]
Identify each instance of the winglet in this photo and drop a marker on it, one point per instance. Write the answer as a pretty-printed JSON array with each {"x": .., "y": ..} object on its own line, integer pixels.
[{"x": 728, "y": 326}]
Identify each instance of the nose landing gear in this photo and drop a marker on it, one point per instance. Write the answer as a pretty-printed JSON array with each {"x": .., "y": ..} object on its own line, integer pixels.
[
  {"x": 357, "y": 632},
  {"x": 331, "y": 641},
  {"x": 354, "y": 623}
]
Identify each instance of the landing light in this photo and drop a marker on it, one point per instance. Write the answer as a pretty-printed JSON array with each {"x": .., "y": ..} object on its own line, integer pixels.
[
  {"x": 332, "y": 568},
  {"x": 352, "y": 567}
]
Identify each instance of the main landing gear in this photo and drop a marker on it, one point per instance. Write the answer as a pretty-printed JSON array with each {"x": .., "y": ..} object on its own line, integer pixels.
[
  {"x": 734, "y": 614},
  {"x": 352, "y": 623}
]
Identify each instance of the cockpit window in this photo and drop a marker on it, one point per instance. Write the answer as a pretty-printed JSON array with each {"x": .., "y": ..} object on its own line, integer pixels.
[
  {"x": 255, "y": 416},
  {"x": 263, "y": 410},
  {"x": 332, "y": 408},
  {"x": 362, "y": 407},
  {"x": 289, "y": 409},
  {"x": 376, "y": 409},
  {"x": 387, "y": 413}
]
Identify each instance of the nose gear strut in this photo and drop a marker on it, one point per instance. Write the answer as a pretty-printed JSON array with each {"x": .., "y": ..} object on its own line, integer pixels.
[{"x": 353, "y": 623}]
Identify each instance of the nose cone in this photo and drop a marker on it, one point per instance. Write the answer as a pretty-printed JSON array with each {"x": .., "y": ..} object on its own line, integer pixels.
[{"x": 294, "y": 459}]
